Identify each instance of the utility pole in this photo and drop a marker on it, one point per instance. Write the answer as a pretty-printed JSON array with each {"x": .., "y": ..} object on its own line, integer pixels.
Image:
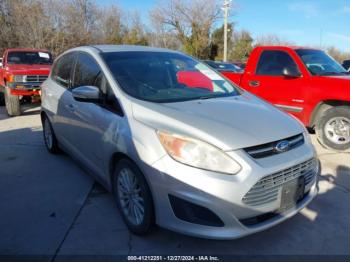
[{"x": 225, "y": 8}]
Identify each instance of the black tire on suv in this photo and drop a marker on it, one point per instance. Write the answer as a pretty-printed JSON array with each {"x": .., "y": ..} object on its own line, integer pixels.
[
  {"x": 333, "y": 128},
  {"x": 12, "y": 103}
]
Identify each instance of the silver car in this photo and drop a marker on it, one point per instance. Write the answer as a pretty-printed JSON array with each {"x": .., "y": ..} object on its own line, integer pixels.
[{"x": 177, "y": 144}]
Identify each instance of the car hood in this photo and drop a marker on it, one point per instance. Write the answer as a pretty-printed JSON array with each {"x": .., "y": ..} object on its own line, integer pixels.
[
  {"x": 29, "y": 69},
  {"x": 229, "y": 123},
  {"x": 344, "y": 80}
]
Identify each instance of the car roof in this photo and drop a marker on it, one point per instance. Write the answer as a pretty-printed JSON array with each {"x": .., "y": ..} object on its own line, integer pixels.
[
  {"x": 294, "y": 47},
  {"x": 218, "y": 62},
  {"x": 26, "y": 50},
  {"x": 130, "y": 48}
]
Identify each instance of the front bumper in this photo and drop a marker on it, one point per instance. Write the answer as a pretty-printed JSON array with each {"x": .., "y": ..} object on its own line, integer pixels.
[
  {"x": 24, "y": 89},
  {"x": 222, "y": 194}
]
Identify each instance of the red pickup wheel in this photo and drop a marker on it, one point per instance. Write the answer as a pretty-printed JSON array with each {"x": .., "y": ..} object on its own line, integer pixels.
[
  {"x": 333, "y": 128},
  {"x": 13, "y": 106}
]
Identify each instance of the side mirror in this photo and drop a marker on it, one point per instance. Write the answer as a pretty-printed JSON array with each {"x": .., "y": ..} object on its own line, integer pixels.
[
  {"x": 291, "y": 72},
  {"x": 90, "y": 94}
]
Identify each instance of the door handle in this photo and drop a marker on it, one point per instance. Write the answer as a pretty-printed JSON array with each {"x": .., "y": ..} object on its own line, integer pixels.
[{"x": 254, "y": 83}]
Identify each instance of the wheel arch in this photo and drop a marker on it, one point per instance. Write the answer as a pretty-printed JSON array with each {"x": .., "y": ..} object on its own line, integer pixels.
[
  {"x": 322, "y": 107},
  {"x": 115, "y": 158}
]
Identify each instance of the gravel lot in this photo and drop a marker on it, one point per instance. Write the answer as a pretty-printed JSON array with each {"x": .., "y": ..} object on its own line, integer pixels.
[{"x": 50, "y": 206}]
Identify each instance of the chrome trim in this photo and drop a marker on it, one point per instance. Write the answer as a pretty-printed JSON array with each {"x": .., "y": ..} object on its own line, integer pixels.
[
  {"x": 269, "y": 149},
  {"x": 36, "y": 78},
  {"x": 290, "y": 108}
]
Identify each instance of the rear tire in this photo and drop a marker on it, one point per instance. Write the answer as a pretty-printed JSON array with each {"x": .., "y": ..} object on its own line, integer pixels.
[
  {"x": 50, "y": 139},
  {"x": 133, "y": 197},
  {"x": 333, "y": 128},
  {"x": 13, "y": 106}
]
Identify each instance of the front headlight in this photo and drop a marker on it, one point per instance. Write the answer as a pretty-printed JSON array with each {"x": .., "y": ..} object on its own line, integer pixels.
[
  {"x": 16, "y": 78},
  {"x": 198, "y": 154},
  {"x": 19, "y": 78}
]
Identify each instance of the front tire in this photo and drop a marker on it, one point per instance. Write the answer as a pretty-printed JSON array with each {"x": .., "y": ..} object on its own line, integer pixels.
[
  {"x": 13, "y": 106},
  {"x": 133, "y": 197},
  {"x": 50, "y": 139},
  {"x": 333, "y": 128},
  {"x": 2, "y": 98}
]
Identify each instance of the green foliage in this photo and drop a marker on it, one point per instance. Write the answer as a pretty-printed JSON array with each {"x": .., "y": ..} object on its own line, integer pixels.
[
  {"x": 242, "y": 46},
  {"x": 217, "y": 39}
]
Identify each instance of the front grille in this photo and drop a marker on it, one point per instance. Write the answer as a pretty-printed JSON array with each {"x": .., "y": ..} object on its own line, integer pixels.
[
  {"x": 268, "y": 149},
  {"x": 36, "y": 78},
  {"x": 266, "y": 190}
]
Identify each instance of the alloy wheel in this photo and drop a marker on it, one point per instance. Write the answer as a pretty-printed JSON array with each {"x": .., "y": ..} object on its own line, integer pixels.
[
  {"x": 337, "y": 130},
  {"x": 130, "y": 196}
]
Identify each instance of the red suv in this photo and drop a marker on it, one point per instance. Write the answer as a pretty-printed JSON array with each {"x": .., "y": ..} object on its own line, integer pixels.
[{"x": 21, "y": 74}]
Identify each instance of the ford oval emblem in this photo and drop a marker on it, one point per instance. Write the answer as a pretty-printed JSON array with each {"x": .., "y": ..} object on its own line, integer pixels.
[{"x": 282, "y": 146}]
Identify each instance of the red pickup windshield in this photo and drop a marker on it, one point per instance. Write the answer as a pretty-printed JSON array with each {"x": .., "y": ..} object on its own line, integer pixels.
[
  {"x": 29, "y": 58},
  {"x": 319, "y": 63}
]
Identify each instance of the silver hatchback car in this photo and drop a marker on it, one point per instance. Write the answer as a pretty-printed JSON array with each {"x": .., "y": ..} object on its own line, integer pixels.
[{"x": 177, "y": 144}]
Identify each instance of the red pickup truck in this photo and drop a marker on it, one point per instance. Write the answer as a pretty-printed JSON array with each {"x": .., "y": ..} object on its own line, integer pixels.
[
  {"x": 21, "y": 74},
  {"x": 306, "y": 83}
]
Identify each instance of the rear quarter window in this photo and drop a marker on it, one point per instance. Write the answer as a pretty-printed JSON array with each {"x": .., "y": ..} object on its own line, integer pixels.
[{"x": 62, "y": 70}]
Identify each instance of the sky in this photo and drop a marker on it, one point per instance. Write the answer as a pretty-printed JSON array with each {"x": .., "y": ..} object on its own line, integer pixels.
[{"x": 303, "y": 22}]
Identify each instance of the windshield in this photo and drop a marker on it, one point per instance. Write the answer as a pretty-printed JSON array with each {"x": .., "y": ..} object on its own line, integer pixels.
[
  {"x": 29, "y": 58},
  {"x": 226, "y": 67},
  {"x": 319, "y": 63},
  {"x": 166, "y": 77}
]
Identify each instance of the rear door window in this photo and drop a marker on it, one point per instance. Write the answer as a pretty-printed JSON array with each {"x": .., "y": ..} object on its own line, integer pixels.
[{"x": 272, "y": 63}]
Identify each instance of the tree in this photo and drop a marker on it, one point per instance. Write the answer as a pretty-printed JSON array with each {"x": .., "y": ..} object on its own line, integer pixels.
[
  {"x": 112, "y": 30},
  {"x": 272, "y": 40},
  {"x": 338, "y": 54},
  {"x": 242, "y": 46},
  {"x": 217, "y": 39},
  {"x": 58, "y": 25},
  {"x": 23, "y": 23},
  {"x": 191, "y": 21},
  {"x": 135, "y": 34},
  {"x": 160, "y": 36}
]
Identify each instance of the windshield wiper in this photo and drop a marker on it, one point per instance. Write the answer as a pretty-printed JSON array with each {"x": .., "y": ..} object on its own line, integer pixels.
[{"x": 211, "y": 96}]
